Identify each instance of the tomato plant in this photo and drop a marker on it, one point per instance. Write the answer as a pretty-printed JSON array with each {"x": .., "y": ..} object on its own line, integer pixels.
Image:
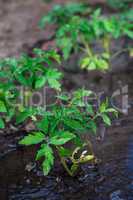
[
  {"x": 66, "y": 122},
  {"x": 79, "y": 30},
  {"x": 63, "y": 122},
  {"x": 60, "y": 127},
  {"x": 29, "y": 74}
]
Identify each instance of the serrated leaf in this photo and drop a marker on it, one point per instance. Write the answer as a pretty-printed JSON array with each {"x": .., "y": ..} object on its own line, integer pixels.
[
  {"x": 44, "y": 151},
  {"x": 33, "y": 138},
  {"x": 47, "y": 152},
  {"x": 53, "y": 77},
  {"x": 54, "y": 84}
]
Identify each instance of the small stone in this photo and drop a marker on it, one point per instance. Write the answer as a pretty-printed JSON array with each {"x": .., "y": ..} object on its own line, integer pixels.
[
  {"x": 116, "y": 195},
  {"x": 30, "y": 166},
  {"x": 28, "y": 181}
]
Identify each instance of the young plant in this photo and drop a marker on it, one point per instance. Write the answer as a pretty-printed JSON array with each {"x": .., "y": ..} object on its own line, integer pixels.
[
  {"x": 118, "y": 4},
  {"x": 61, "y": 15},
  {"x": 65, "y": 123},
  {"x": 20, "y": 77},
  {"x": 78, "y": 33}
]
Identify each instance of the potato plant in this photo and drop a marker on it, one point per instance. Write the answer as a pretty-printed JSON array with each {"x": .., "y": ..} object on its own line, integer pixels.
[{"x": 79, "y": 30}]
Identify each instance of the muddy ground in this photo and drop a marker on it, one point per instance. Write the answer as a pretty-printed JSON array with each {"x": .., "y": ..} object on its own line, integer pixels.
[{"x": 19, "y": 24}]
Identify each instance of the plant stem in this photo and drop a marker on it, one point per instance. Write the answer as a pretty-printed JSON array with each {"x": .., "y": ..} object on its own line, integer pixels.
[
  {"x": 119, "y": 52},
  {"x": 63, "y": 161},
  {"x": 87, "y": 48}
]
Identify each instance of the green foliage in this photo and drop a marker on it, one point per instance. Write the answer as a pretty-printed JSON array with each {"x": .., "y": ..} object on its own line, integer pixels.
[
  {"x": 31, "y": 73},
  {"x": 80, "y": 32},
  {"x": 80, "y": 29},
  {"x": 62, "y": 14},
  {"x": 72, "y": 116},
  {"x": 65, "y": 123},
  {"x": 119, "y": 4}
]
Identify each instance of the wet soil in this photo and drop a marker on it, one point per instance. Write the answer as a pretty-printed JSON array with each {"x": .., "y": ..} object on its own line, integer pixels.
[{"x": 20, "y": 177}]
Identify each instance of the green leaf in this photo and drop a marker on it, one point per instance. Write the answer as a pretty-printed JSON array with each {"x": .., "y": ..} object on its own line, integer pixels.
[
  {"x": 23, "y": 80},
  {"x": 22, "y": 116},
  {"x": 54, "y": 84},
  {"x": 85, "y": 62},
  {"x": 66, "y": 46},
  {"x": 106, "y": 55},
  {"x": 62, "y": 138},
  {"x": 65, "y": 152},
  {"x": 103, "y": 106},
  {"x": 40, "y": 82},
  {"x": 34, "y": 138},
  {"x": 2, "y": 124},
  {"x": 45, "y": 20},
  {"x": 53, "y": 76},
  {"x": 89, "y": 109},
  {"x": 106, "y": 119},
  {"x": 129, "y": 33},
  {"x": 43, "y": 125},
  {"x": 2, "y": 107},
  {"x": 47, "y": 153},
  {"x": 80, "y": 93},
  {"x": 91, "y": 66},
  {"x": 63, "y": 97},
  {"x": 102, "y": 64},
  {"x": 74, "y": 124}
]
